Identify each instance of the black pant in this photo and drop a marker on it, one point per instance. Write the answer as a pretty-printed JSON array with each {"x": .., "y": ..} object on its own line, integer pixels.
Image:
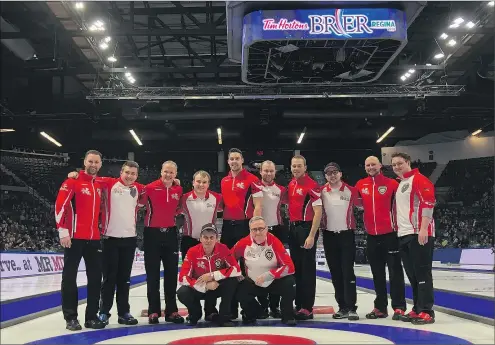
[
  {"x": 186, "y": 243},
  {"x": 280, "y": 232},
  {"x": 118, "y": 257},
  {"x": 304, "y": 263},
  {"x": 191, "y": 298},
  {"x": 417, "y": 260},
  {"x": 340, "y": 252},
  {"x": 283, "y": 287},
  {"x": 161, "y": 245},
  {"x": 91, "y": 252},
  {"x": 232, "y": 232},
  {"x": 384, "y": 250}
]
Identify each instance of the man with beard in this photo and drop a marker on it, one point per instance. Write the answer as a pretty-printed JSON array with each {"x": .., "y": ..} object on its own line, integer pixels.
[
  {"x": 305, "y": 216},
  {"x": 267, "y": 198},
  {"x": 415, "y": 201},
  {"x": 84, "y": 192},
  {"x": 339, "y": 200},
  {"x": 120, "y": 201},
  {"x": 161, "y": 243},
  {"x": 236, "y": 191},
  {"x": 377, "y": 193}
]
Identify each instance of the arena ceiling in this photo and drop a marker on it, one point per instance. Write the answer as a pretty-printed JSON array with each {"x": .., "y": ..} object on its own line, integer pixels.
[{"x": 57, "y": 77}]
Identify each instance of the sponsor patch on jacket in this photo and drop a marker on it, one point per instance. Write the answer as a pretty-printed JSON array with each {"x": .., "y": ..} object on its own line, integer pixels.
[
  {"x": 382, "y": 189},
  {"x": 218, "y": 263}
]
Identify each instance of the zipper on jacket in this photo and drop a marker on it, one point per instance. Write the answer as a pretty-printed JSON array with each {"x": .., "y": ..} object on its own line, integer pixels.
[
  {"x": 94, "y": 204},
  {"x": 373, "y": 199}
]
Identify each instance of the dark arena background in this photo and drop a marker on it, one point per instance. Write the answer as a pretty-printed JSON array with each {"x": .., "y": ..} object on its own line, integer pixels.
[{"x": 152, "y": 81}]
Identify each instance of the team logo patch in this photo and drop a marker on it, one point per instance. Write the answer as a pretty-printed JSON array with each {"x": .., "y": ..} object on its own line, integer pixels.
[
  {"x": 175, "y": 196},
  {"x": 382, "y": 189},
  {"x": 218, "y": 263},
  {"x": 85, "y": 191},
  {"x": 365, "y": 191},
  {"x": 269, "y": 254},
  {"x": 64, "y": 187},
  {"x": 404, "y": 188},
  {"x": 201, "y": 264},
  {"x": 133, "y": 192}
]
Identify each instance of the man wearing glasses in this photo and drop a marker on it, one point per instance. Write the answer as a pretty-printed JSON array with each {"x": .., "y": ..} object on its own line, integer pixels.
[
  {"x": 269, "y": 269},
  {"x": 339, "y": 243}
]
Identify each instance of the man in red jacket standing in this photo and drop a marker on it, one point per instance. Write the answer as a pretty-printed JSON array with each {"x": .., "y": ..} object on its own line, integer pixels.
[
  {"x": 80, "y": 237},
  {"x": 161, "y": 243},
  {"x": 377, "y": 193},
  {"x": 236, "y": 193},
  {"x": 208, "y": 271},
  {"x": 305, "y": 215}
]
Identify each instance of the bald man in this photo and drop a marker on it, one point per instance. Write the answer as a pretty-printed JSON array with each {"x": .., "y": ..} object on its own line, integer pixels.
[{"x": 378, "y": 194}]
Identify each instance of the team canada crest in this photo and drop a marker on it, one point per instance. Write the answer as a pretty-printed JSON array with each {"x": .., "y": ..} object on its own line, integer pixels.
[
  {"x": 269, "y": 254},
  {"x": 382, "y": 189},
  {"x": 175, "y": 196},
  {"x": 218, "y": 263}
]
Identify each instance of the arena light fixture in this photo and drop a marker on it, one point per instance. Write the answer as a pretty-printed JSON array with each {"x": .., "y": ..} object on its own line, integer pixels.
[
  {"x": 385, "y": 134},
  {"x": 97, "y": 26},
  {"x": 112, "y": 59},
  {"x": 103, "y": 45},
  {"x": 443, "y": 36},
  {"x": 219, "y": 133},
  {"x": 470, "y": 25},
  {"x": 6, "y": 130},
  {"x": 134, "y": 135},
  {"x": 439, "y": 56},
  {"x": 490, "y": 3},
  {"x": 403, "y": 78},
  {"x": 476, "y": 132},
  {"x": 451, "y": 43},
  {"x": 79, "y": 6},
  {"x": 301, "y": 136},
  {"x": 48, "y": 137}
]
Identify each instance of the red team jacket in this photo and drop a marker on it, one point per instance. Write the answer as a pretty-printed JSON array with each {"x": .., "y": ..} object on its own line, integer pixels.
[
  {"x": 77, "y": 208},
  {"x": 378, "y": 194},
  {"x": 236, "y": 193},
  {"x": 269, "y": 258},
  {"x": 161, "y": 203},
  {"x": 221, "y": 263},
  {"x": 303, "y": 194}
]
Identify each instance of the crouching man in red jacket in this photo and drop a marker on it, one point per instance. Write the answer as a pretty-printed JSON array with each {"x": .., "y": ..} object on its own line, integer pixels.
[
  {"x": 209, "y": 271},
  {"x": 269, "y": 269}
]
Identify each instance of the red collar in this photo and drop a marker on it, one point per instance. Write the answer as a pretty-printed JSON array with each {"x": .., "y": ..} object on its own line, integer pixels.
[
  {"x": 378, "y": 176},
  {"x": 301, "y": 179},
  {"x": 202, "y": 250},
  {"x": 269, "y": 184},
  {"x": 341, "y": 189},
  {"x": 411, "y": 173},
  {"x": 86, "y": 177},
  {"x": 241, "y": 173},
  {"x": 195, "y": 196}
]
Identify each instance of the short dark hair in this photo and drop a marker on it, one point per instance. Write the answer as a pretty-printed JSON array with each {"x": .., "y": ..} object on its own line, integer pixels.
[
  {"x": 93, "y": 152},
  {"x": 403, "y": 155},
  {"x": 130, "y": 164},
  {"x": 234, "y": 150}
]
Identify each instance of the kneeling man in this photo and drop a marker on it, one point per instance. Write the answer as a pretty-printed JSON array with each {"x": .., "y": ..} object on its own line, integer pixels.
[
  {"x": 208, "y": 271},
  {"x": 269, "y": 269}
]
